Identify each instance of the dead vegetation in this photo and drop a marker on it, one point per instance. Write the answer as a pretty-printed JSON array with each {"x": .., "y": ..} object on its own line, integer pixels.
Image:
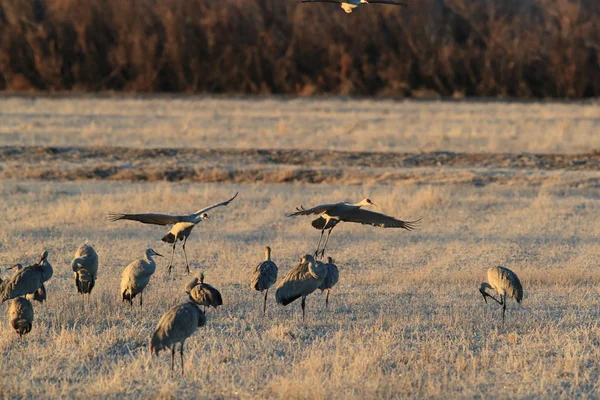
[{"x": 516, "y": 48}]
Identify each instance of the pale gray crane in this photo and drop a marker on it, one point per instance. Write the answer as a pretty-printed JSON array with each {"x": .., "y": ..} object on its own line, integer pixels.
[
  {"x": 505, "y": 283},
  {"x": 181, "y": 229},
  {"x": 202, "y": 293},
  {"x": 136, "y": 276},
  {"x": 301, "y": 281},
  {"x": 175, "y": 326},
  {"x": 332, "y": 278},
  {"x": 264, "y": 276},
  {"x": 349, "y": 5},
  {"x": 20, "y": 315},
  {"x": 26, "y": 280},
  {"x": 333, "y": 214}
]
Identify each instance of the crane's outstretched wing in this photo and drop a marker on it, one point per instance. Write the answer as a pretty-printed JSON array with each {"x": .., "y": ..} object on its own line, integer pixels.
[
  {"x": 224, "y": 203},
  {"x": 321, "y": 1},
  {"x": 154, "y": 219},
  {"x": 376, "y": 219},
  {"x": 391, "y": 2},
  {"x": 320, "y": 209}
]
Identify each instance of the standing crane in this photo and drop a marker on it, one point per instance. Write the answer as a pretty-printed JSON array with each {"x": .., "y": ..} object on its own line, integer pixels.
[
  {"x": 505, "y": 283},
  {"x": 349, "y": 5},
  {"x": 27, "y": 280},
  {"x": 85, "y": 269},
  {"x": 264, "y": 276},
  {"x": 182, "y": 225},
  {"x": 300, "y": 282},
  {"x": 136, "y": 276},
  {"x": 333, "y": 275},
  {"x": 175, "y": 326},
  {"x": 202, "y": 293},
  {"x": 20, "y": 315},
  {"x": 333, "y": 214}
]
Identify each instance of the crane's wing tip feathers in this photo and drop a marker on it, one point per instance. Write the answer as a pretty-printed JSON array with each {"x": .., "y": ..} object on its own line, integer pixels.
[
  {"x": 411, "y": 225},
  {"x": 115, "y": 217}
]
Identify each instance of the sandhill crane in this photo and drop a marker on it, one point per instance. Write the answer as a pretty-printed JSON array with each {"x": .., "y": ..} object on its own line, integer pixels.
[
  {"x": 26, "y": 280},
  {"x": 333, "y": 214},
  {"x": 136, "y": 277},
  {"x": 333, "y": 275},
  {"x": 264, "y": 276},
  {"x": 20, "y": 315},
  {"x": 349, "y": 5},
  {"x": 202, "y": 293},
  {"x": 300, "y": 282},
  {"x": 85, "y": 268},
  {"x": 182, "y": 225},
  {"x": 505, "y": 283},
  {"x": 175, "y": 326},
  {"x": 39, "y": 295}
]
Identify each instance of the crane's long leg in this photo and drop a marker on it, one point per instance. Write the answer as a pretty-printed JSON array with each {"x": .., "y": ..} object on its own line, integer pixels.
[
  {"x": 181, "y": 354},
  {"x": 503, "y": 297},
  {"x": 187, "y": 265},
  {"x": 327, "y": 300},
  {"x": 141, "y": 300},
  {"x": 319, "y": 244},
  {"x": 265, "y": 303},
  {"x": 172, "y": 254},
  {"x": 172, "y": 359},
  {"x": 303, "y": 307},
  {"x": 326, "y": 241}
]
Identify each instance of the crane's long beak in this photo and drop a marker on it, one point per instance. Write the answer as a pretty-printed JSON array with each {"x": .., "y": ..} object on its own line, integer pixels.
[
  {"x": 157, "y": 254},
  {"x": 11, "y": 267}
]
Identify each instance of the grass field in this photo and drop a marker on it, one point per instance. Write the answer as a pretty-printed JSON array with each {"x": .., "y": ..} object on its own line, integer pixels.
[{"x": 406, "y": 318}]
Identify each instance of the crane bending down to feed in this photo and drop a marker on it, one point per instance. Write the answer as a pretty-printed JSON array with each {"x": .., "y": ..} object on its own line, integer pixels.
[
  {"x": 136, "y": 276},
  {"x": 175, "y": 326},
  {"x": 505, "y": 283},
  {"x": 20, "y": 315},
  {"x": 301, "y": 281},
  {"x": 27, "y": 280},
  {"x": 333, "y": 214},
  {"x": 202, "y": 293},
  {"x": 349, "y": 5},
  {"x": 264, "y": 276},
  {"x": 85, "y": 268},
  {"x": 182, "y": 225},
  {"x": 332, "y": 278}
]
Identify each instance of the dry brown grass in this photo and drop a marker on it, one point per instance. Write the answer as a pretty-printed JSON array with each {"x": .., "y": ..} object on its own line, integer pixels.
[
  {"x": 327, "y": 124},
  {"x": 517, "y": 48},
  {"x": 406, "y": 318}
]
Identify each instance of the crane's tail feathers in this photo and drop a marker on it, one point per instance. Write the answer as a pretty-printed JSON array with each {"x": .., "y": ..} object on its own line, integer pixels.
[
  {"x": 411, "y": 225},
  {"x": 127, "y": 296},
  {"x": 169, "y": 238}
]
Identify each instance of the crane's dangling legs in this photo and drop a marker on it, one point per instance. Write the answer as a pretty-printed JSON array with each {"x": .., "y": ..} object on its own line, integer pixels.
[
  {"x": 326, "y": 241},
  {"x": 172, "y": 254},
  {"x": 327, "y": 300},
  {"x": 141, "y": 300},
  {"x": 265, "y": 303},
  {"x": 319, "y": 244},
  {"x": 187, "y": 265}
]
